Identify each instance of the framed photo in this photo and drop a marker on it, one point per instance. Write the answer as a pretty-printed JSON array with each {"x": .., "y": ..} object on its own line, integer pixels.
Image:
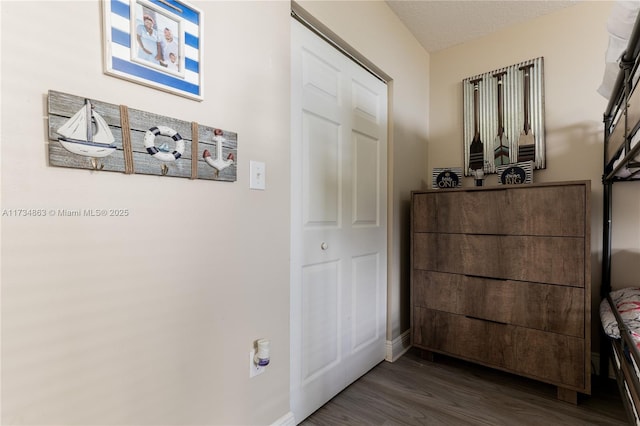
[{"x": 157, "y": 43}]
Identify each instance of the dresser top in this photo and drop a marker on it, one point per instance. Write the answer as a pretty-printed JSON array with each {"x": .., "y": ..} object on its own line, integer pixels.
[{"x": 586, "y": 183}]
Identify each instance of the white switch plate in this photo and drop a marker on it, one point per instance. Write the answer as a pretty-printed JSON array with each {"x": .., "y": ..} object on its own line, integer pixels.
[
  {"x": 258, "y": 178},
  {"x": 254, "y": 369}
]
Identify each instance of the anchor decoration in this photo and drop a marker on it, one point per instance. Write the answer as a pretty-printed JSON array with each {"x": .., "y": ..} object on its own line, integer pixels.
[{"x": 218, "y": 163}]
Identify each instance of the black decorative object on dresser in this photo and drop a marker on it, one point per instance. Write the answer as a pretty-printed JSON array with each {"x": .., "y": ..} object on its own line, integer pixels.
[{"x": 501, "y": 276}]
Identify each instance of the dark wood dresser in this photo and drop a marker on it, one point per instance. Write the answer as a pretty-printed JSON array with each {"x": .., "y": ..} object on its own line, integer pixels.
[{"x": 501, "y": 276}]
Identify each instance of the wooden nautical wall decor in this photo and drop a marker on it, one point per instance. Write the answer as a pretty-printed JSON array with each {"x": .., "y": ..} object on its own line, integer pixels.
[
  {"x": 504, "y": 117},
  {"x": 450, "y": 177},
  {"x": 89, "y": 134}
]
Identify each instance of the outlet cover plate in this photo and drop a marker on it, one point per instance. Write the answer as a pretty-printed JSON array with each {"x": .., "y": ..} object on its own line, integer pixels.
[
  {"x": 257, "y": 178},
  {"x": 254, "y": 369}
]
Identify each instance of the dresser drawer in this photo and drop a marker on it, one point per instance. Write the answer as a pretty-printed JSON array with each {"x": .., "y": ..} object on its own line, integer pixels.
[
  {"x": 424, "y": 212},
  {"x": 545, "y": 211},
  {"x": 540, "y": 211},
  {"x": 458, "y": 254},
  {"x": 436, "y": 290},
  {"x": 553, "y": 260},
  {"x": 551, "y": 357},
  {"x": 473, "y": 339},
  {"x": 544, "y": 307},
  {"x": 455, "y": 212}
]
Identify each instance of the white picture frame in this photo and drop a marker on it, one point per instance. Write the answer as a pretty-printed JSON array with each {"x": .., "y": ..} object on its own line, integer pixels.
[{"x": 138, "y": 34}]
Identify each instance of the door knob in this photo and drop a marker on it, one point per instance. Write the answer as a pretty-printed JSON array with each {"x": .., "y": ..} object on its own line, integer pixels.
[{"x": 324, "y": 246}]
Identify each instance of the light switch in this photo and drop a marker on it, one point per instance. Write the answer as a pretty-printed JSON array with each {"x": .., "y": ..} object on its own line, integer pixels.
[{"x": 258, "y": 177}]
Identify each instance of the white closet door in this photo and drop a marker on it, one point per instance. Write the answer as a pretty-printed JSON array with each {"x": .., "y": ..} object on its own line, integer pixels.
[{"x": 339, "y": 221}]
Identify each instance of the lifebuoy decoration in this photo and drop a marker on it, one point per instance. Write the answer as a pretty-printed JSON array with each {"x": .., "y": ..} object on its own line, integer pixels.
[{"x": 150, "y": 137}]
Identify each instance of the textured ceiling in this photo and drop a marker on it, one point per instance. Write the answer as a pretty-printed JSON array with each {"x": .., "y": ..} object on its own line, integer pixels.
[{"x": 439, "y": 24}]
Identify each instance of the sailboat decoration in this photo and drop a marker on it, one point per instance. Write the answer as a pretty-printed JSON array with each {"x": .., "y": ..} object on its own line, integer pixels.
[
  {"x": 219, "y": 164},
  {"x": 79, "y": 136}
]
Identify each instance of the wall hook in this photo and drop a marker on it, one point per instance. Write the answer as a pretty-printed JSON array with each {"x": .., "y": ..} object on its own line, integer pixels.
[{"x": 96, "y": 165}]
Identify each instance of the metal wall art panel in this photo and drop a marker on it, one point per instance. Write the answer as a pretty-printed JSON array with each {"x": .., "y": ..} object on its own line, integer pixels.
[{"x": 504, "y": 117}]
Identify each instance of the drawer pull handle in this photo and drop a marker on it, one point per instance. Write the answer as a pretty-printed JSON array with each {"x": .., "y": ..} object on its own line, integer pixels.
[
  {"x": 486, "y": 278},
  {"x": 485, "y": 320}
]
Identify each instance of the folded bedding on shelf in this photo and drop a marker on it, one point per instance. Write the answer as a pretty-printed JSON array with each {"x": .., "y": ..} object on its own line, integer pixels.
[{"x": 627, "y": 301}]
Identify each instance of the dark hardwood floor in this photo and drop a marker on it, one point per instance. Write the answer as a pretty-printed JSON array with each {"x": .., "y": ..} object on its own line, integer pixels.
[{"x": 414, "y": 391}]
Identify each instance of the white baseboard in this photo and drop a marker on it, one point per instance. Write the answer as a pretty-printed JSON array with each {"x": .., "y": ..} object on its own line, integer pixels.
[
  {"x": 286, "y": 420},
  {"x": 398, "y": 346}
]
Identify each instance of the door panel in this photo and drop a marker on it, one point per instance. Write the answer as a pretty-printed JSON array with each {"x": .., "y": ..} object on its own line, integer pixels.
[
  {"x": 320, "y": 317},
  {"x": 366, "y": 304},
  {"x": 319, "y": 77},
  {"x": 338, "y": 221},
  {"x": 321, "y": 157},
  {"x": 365, "y": 178}
]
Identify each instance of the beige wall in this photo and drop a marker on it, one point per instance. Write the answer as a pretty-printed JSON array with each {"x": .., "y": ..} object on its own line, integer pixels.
[
  {"x": 145, "y": 319},
  {"x": 572, "y": 42},
  {"x": 149, "y": 319}
]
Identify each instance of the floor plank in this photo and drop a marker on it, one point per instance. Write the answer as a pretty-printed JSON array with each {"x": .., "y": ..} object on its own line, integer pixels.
[{"x": 414, "y": 391}]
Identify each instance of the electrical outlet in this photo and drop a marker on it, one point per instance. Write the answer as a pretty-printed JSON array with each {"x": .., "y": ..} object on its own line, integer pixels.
[{"x": 254, "y": 369}]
